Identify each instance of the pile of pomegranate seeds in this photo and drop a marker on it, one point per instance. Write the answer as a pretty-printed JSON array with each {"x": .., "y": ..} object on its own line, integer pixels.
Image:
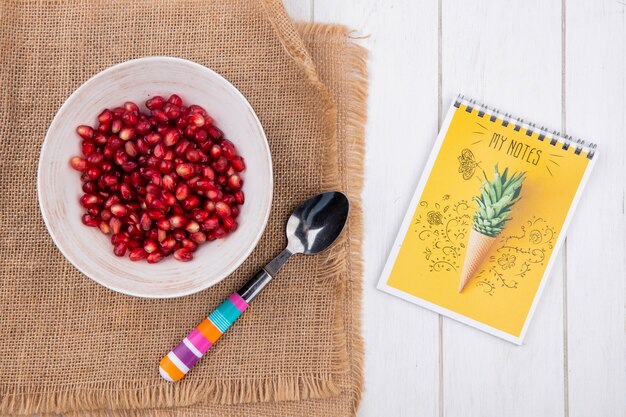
[{"x": 160, "y": 183}]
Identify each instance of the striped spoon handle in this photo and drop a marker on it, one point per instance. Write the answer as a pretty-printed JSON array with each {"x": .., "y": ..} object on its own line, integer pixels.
[{"x": 179, "y": 361}]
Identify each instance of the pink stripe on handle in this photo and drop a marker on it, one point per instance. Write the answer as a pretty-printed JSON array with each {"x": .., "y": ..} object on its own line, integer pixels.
[
  {"x": 199, "y": 341},
  {"x": 239, "y": 302}
]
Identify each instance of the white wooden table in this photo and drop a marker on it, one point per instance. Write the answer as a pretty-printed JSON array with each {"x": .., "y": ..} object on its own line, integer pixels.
[{"x": 558, "y": 63}]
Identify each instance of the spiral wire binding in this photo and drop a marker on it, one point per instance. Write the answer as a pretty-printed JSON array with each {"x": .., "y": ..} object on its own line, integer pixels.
[{"x": 553, "y": 136}]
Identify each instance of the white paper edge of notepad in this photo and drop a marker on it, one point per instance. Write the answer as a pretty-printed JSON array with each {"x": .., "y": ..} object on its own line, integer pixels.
[{"x": 391, "y": 260}]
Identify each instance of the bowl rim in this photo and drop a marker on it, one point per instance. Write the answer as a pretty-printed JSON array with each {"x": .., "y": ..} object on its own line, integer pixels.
[{"x": 255, "y": 241}]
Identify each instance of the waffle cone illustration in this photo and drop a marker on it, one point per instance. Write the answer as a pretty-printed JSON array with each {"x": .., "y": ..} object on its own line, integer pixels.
[{"x": 495, "y": 201}]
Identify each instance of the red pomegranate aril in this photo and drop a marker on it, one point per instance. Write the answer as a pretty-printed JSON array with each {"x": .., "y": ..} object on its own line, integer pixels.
[
  {"x": 104, "y": 127},
  {"x": 109, "y": 180},
  {"x": 185, "y": 170},
  {"x": 178, "y": 221},
  {"x": 215, "y": 133},
  {"x": 129, "y": 166},
  {"x": 155, "y": 214},
  {"x": 168, "y": 181},
  {"x": 196, "y": 119},
  {"x": 215, "y": 151},
  {"x": 172, "y": 111},
  {"x": 105, "y": 117},
  {"x": 208, "y": 173},
  {"x": 119, "y": 210},
  {"x": 194, "y": 155},
  {"x": 198, "y": 237},
  {"x": 219, "y": 233},
  {"x": 175, "y": 100},
  {"x": 181, "y": 147},
  {"x": 221, "y": 164},
  {"x": 130, "y": 118},
  {"x": 88, "y": 200},
  {"x": 228, "y": 199},
  {"x": 127, "y": 133},
  {"x": 228, "y": 149},
  {"x": 87, "y": 148},
  {"x": 190, "y": 202},
  {"x": 182, "y": 191},
  {"x": 199, "y": 215},
  {"x": 234, "y": 182},
  {"x": 168, "y": 244},
  {"x": 106, "y": 215},
  {"x": 238, "y": 164},
  {"x": 116, "y": 224},
  {"x": 104, "y": 227},
  {"x": 228, "y": 223},
  {"x": 90, "y": 221},
  {"x": 163, "y": 224},
  {"x": 159, "y": 150},
  {"x": 150, "y": 246},
  {"x": 120, "y": 249},
  {"x": 85, "y": 132},
  {"x": 239, "y": 197},
  {"x": 201, "y": 136},
  {"x": 192, "y": 226},
  {"x": 161, "y": 235},
  {"x": 152, "y": 138},
  {"x": 145, "y": 221},
  {"x": 160, "y": 115},
  {"x": 179, "y": 235},
  {"x": 195, "y": 109},
  {"x": 155, "y": 102},
  {"x": 204, "y": 184},
  {"x": 234, "y": 211},
  {"x": 211, "y": 223},
  {"x": 137, "y": 254},
  {"x": 189, "y": 244},
  {"x": 79, "y": 164},
  {"x": 117, "y": 112},
  {"x": 154, "y": 257},
  {"x": 131, "y": 149},
  {"x": 183, "y": 255},
  {"x": 116, "y": 126},
  {"x": 93, "y": 173},
  {"x": 221, "y": 180},
  {"x": 221, "y": 209},
  {"x": 90, "y": 187},
  {"x": 131, "y": 107},
  {"x": 142, "y": 127}
]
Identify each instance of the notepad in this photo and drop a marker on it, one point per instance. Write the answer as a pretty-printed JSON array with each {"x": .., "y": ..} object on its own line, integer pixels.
[{"x": 487, "y": 219}]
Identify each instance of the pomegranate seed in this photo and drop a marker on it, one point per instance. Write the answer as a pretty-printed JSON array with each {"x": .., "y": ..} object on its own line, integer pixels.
[
  {"x": 175, "y": 100},
  {"x": 154, "y": 257},
  {"x": 161, "y": 235},
  {"x": 228, "y": 149},
  {"x": 185, "y": 170},
  {"x": 234, "y": 211},
  {"x": 129, "y": 106},
  {"x": 182, "y": 191},
  {"x": 116, "y": 126},
  {"x": 234, "y": 182},
  {"x": 152, "y": 138},
  {"x": 189, "y": 244},
  {"x": 130, "y": 118},
  {"x": 196, "y": 119},
  {"x": 131, "y": 149},
  {"x": 178, "y": 221},
  {"x": 172, "y": 111},
  {"x": 129, "y": 166},
  {"x": 116, "y": 224},
  {"x": 179, "y": 235},
  {"x": 119, "y": 210},
  {"x": 150, "y": 246},
  {"x": 88, "y": 200},
  {"x": 109, "y": 180},
  {"x": 210, "y": 224},
  {"x": 228, "y": 223},
  {"x": 219, "y": 233},
  {"x": 195, "y": 155},
  {"x": 105, "y": 117},
  {"x": 183, "y": 255},
  {"x": 238, "y": 164},
  {"x": 215, "y": 133},
  {"x": 155, "y": 102},
  {"x": 163, "y": 224},
  {"x": 198, "y": 237},
  {"x": 142, "y": 127},
  {"x": 106, "y": 215},
  {"x": 137, "y": 254},
  {"x": 159, "y": 150},
  {"x": 99, "y": 138},
  {"x": 78, "y": 163},
  {"x": 201, "y": 136},
  {"x": 104, "y": 127},
  {"x": 93, "y": 173},
  {"x": 117, "y": 113},
  {"x": 120, "y": 249},
  {"x": 145, "y": 221},
  {"x": 195, "y": 109},
  {"x": 221, "y": 209},
  {"x": 160, "y": 115},
  {"x": 192, "y": 226},
  {"x": 215, "y": 152},
  {"x": 127, "y": 133},
  {"x": 239, "y": 197},
  {"x": 191, "y": 202},
  {"x": 95, "y": 158},
  {"x": 168, "y": 244},
  {"x": 155, "y": 214},
  {"x": 89, "y": 221},
  {"x": 85, "y": 132},
  {"x": 221, "y": 164},
  {"x": 104, "y": 227},
  {"x": 181, "y": 147}
]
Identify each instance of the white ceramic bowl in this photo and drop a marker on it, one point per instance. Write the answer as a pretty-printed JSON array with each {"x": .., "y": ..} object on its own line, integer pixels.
[{"x": 59, "y": 186}]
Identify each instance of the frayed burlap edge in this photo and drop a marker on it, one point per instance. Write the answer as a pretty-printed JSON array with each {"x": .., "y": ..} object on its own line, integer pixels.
[{"x": 353, "y": 146}]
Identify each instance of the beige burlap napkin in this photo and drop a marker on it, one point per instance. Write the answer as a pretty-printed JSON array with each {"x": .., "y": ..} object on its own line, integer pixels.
[{"x": 70, "y": 345}]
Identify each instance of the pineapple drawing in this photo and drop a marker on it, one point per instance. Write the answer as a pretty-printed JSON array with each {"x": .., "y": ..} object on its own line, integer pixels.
[{"x": 495, "y": 201}]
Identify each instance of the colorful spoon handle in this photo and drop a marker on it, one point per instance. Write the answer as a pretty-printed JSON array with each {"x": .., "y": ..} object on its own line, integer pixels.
[{"x": 183, "y": 357}]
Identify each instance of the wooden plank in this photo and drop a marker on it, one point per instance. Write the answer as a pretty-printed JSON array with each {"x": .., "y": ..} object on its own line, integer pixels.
[
  {"x": 507, "y": 54},
  {"x": 402, "y": 356},
  {"x": 596, "y": 256}
]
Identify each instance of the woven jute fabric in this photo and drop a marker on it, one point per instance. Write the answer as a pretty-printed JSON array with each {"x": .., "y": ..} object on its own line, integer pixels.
[{"x": 70, "y": 346}]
